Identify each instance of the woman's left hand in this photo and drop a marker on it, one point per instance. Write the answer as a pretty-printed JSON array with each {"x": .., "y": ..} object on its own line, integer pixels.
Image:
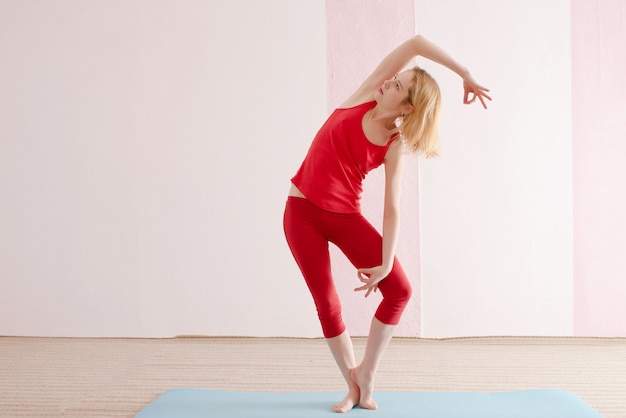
[
  {"x": 470, "y": 86},
  {"x": 371, "y": 277}
]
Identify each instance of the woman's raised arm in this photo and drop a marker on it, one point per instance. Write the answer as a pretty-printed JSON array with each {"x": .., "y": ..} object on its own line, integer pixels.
[{"x": 401, "y": 56}]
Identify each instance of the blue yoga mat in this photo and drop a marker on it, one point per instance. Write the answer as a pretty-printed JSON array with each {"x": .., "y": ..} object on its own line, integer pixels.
[{"x": 196, "y": 403}]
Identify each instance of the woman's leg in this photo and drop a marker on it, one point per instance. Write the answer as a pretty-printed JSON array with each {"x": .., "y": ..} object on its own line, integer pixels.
[
  {"x": 362, "y": 244},
  {"x": 363, "y": 375},
  {"x": 343, "y": 352},
  {"x": 303, "y": 223}
]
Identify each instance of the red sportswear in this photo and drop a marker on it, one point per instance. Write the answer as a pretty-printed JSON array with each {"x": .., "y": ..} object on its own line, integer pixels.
[{"x": 331, "y": 175}]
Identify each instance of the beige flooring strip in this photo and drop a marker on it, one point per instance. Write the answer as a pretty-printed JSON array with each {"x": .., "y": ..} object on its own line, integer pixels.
[{"x": 80, "y": 377}]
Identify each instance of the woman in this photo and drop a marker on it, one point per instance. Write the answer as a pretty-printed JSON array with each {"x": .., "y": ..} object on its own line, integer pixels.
[{"x": 391, "y": 113}]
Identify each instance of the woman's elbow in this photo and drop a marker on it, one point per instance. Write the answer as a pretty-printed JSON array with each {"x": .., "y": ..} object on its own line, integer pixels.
[{"x": 391, "y": 213}]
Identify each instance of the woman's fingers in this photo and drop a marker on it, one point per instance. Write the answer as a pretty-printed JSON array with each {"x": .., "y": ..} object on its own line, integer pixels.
[
  {"x": 368, "y": 287},
  {"x": 370, "y": 278},
  {"x": 480, "y": 95},
  {"x": 466, "y": 99}
]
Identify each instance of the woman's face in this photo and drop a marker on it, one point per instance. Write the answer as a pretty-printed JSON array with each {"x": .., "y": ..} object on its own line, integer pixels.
[{"x": 394, "y": 92}]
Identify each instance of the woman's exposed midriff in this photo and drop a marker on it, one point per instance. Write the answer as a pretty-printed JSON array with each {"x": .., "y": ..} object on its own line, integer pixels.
[{"x": 295, "y": 192}]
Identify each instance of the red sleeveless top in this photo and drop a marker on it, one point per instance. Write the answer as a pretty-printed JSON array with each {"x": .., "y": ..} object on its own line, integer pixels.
[{"x": 340, "y": 156}]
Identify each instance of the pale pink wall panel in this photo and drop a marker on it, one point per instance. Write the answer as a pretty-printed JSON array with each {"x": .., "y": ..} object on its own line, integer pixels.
[
  {"x": 599, "y": 166},
  {"x": 359, "y": 34}
]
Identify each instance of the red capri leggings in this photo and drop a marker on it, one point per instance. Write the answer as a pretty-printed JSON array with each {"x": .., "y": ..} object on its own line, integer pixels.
[{"x": 309, "y": 229}]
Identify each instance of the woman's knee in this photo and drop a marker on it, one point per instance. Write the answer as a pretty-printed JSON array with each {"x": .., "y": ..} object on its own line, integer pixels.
[
  {"x": 396, "y": 286},
  {"x": 332, "y": 327},
  {"x": 404, "y": 291}
]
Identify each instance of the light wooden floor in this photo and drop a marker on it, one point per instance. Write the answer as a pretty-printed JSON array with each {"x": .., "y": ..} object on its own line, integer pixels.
[{"x": 57, "y": 377}]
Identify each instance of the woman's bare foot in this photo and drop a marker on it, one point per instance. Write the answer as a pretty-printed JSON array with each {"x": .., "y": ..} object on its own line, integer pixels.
[
  {"x": 350, "y": 401},
  {"x": 365, "y": 382}
]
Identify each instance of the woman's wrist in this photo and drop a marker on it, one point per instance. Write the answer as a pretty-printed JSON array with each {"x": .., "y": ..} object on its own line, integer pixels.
[
  {"x": 387, "y": 267},
  {"x": 463, "y": 73}
]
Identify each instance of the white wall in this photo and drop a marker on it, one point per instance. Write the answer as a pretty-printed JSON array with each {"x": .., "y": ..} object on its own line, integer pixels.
[
  {"x": 145, "y": 155},
  {"x": 496, "y": 208},
  {"x": 146, "y": 149}
]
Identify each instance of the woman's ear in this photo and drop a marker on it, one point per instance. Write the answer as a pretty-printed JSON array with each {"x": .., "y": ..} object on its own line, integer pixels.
[{"x": 407, "y": 109}]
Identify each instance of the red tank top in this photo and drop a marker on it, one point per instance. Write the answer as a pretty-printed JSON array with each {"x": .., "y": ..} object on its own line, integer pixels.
[{"x": 332, "y": 173}]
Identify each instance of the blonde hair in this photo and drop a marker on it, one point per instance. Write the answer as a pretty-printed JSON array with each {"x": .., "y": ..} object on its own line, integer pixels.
[{"x": 420, "y": 128}]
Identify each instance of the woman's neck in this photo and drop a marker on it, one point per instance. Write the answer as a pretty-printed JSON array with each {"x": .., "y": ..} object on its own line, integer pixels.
[{"x": 383, "y": 119}]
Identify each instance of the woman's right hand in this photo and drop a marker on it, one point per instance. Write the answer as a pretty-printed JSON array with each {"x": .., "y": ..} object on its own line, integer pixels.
[{"x": 470, "y": 86}]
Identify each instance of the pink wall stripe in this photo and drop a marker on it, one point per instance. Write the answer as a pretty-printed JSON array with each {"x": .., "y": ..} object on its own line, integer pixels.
[
  {"x": 359, "y": 34},
  {"x": 599, "y": 151}
]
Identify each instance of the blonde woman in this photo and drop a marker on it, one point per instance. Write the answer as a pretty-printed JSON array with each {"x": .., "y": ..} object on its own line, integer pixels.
[{"x": 393, "y": 112}]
